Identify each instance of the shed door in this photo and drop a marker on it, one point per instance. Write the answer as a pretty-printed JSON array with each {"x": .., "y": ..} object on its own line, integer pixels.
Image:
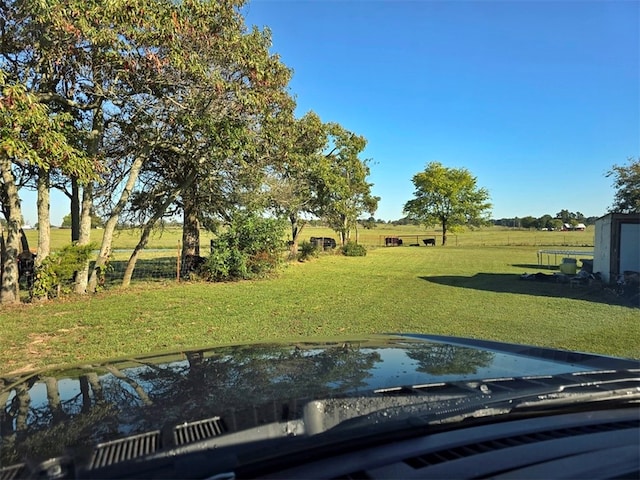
[{"x": 630, "y": 247}]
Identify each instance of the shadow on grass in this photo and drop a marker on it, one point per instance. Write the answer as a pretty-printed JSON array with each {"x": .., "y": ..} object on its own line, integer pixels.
[
  {"x": 546, "y": 287},
  {"x": 535, "y": 266}
]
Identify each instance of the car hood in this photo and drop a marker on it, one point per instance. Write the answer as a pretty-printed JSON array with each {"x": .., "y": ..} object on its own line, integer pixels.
[{"x": 51, "y": 413}]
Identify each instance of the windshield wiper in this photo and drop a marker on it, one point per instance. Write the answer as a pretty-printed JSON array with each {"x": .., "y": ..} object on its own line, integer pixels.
[{"x": 453, "y": 402}]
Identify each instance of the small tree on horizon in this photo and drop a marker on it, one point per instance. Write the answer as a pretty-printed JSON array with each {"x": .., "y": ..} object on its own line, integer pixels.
[{"x": 448, "y": 197}]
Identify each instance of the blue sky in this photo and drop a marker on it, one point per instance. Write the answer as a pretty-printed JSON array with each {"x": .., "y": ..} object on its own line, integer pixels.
[{"x": 536, "y": 99}]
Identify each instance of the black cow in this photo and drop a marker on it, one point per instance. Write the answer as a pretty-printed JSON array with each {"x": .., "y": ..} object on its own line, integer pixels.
[
  {"x": 324, "y": 242},
  {"x": 26, "y": 266},
  {"x": 429, "y": 241}
]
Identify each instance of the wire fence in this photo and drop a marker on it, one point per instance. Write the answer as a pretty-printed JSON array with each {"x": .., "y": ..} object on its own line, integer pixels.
[{"x": 153, "y": 268}]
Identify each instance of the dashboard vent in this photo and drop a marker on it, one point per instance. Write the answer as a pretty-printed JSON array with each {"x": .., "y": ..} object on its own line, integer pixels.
[
  {"x": 455, "y": 453},
  {"x": 197, "y": 431},
  {"x": 125, "y": 449}
]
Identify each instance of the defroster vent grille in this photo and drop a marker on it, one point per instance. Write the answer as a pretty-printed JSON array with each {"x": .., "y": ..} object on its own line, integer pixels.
[
  {"x": 197, "y": 431},
  {"x": 125, "y": 449}
]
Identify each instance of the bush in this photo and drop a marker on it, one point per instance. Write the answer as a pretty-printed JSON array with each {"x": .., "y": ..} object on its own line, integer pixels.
[
  {"x": 251, "y": 247},
  {"x": 352, "y": 249},
  {"x": 306, "y": 250},
  {"x": 56, "y": 275}
]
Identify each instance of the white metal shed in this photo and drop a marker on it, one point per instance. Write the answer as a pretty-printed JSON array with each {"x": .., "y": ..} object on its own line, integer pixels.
[{"x": 617, "y": 245}]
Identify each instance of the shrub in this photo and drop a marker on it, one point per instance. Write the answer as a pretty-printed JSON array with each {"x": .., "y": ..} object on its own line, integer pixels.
[
  {"x": 251, "y": 247},
  {"x": 56, "y": 275},
  {"x": 352, "y": 249},
  {"x": 306, "y": 250}
]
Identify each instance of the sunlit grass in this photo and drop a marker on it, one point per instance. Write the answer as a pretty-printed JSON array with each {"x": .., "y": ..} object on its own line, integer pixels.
[{"x": 464, "y": 291}]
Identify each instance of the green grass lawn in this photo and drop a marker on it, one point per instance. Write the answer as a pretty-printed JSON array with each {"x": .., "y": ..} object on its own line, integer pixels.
[{"x": 469, "y": 291}]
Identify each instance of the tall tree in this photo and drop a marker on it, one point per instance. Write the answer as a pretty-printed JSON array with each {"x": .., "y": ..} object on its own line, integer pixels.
[
  {"x": 221, "y": 102},
  {"x": 344, "y": 192},
  {"x": 449, "y": 197},
  {"x": 627, "y": 184},
  {"x": 292, "y": 181},
  {"x": 29, "y": 136}
]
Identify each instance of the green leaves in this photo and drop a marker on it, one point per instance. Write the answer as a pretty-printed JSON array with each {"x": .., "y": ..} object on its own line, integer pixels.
[
  {"x": 447, "y": 196},
  {"x": 345, "y": 193},
  {"x": 627, "y": 184},
  {"x": 30, "y": 135}
]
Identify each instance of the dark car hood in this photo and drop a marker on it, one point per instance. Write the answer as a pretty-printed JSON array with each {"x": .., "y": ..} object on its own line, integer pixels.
[{"x": 51, "y": 413}]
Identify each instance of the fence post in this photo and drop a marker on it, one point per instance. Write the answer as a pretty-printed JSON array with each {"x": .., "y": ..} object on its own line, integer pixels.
[{"x": 178, "y": 264}]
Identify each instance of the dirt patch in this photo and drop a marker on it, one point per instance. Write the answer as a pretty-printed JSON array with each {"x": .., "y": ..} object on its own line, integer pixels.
[{"x": 38, "y": 348}]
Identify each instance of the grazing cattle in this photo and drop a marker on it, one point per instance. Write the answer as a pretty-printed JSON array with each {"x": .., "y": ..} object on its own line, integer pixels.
[
  {"x": 392, "y": 241},
  {"x": 324, "y": 242},
  {"x": 26, "y": 266},
  {"x": 429, "y": 241}
]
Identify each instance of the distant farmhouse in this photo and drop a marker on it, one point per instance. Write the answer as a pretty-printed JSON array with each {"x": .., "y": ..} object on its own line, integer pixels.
[{"x": 579, "y": 227}]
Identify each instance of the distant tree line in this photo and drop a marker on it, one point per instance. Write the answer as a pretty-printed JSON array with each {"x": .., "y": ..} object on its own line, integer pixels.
[
  {"x": 556, "y": 222},
  {"x": 545, "y": 221}
]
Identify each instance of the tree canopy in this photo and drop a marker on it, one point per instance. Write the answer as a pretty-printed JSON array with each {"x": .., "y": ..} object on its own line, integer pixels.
[
  {"x": 140, "y": 110},
  {"x": 627, "y": 184},
  {"x": 448, "y": 197}
]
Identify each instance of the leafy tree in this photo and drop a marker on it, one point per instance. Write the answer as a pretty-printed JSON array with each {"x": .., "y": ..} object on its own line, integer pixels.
[
  {"x": 545, "y": 221},
  {"x": 29, "y": 137},
  {"x": 96, "y": 221},
  {"x": 529, "y": 222},
  {"x": 565, "y": 215},
  {"x": 343, "y": 191},
  {"x": 627, "y": 184},
  {"x": 292, "y": 182},
  {"x": 369, "y": 223},
  {"x": 555, "y": 224},
  {"x": 448, "y": 196}
]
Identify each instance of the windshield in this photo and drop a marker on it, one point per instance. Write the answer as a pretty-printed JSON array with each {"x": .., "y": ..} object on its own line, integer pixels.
[{"x": 215, "y": 213}]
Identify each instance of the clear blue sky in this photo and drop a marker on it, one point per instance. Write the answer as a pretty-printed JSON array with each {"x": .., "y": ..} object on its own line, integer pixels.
[{"x": 536, "y": 99}]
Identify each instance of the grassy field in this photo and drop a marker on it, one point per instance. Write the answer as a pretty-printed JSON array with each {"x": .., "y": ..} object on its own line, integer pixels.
[
  {"x": 169, "y": 238},
  {"x": 470, "y": 290}
]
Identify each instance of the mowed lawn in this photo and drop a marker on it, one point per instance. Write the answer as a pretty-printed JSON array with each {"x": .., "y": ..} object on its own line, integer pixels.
[{"x": 470, "y": 291}]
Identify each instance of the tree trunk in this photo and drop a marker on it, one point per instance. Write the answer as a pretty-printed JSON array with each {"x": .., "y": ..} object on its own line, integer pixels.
[
  {"x": 93, "y": 148},
  {"x": 96, "y": 387},
  {"x": 444, "y": 231},
  {"x": 345, "y": 233},
  {"x": 110, "y": 226},
  {"x": 144, "y": 238},
  {"x": 131, "y": 264},
  {"x": 82, "y": 276},
  {"x": 53, "y": 397},
  {"x": 296, "y": 230},
  {"x": 9, "y": 285},
  {"x": 186, "y": 183},
  {"x": 190, "y": 227},
  {"x": 75, "y": 210},
  {"x": 190, "y": 236},
  {"x": 142, "y": 395},
  {"x": 44, "y": 217}
]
